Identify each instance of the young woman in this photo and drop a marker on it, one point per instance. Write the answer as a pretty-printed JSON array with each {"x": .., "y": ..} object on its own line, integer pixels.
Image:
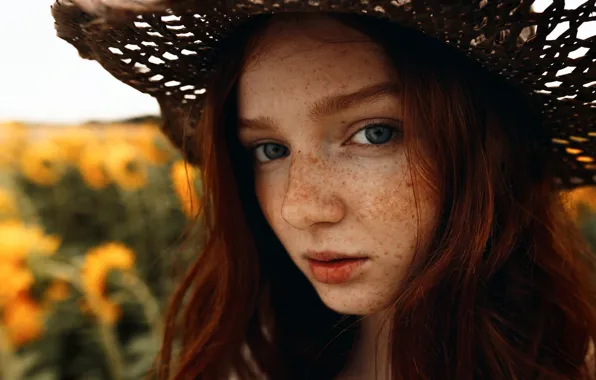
[{"x": 377, "y": 204}]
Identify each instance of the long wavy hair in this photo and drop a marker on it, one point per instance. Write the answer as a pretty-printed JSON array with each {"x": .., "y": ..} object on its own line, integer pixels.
[{"x": 505, "y": 289}]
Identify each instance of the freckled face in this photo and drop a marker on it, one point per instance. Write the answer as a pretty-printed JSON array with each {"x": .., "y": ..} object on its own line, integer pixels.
[{"x": 323, "y": 120}]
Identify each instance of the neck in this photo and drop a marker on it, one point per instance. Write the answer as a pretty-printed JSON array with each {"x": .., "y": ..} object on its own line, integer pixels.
[{"x": 370, "y": 356}]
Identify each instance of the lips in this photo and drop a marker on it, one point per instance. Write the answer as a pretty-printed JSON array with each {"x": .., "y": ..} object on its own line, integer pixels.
[
  {"x": 331, "y": 256},
  {"x": 333, "y": 267}
]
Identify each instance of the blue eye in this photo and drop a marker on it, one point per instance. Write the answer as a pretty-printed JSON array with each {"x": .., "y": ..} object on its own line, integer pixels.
[
  {"x": 375, "y": 134},
  {"x": 270, "y": 151}
]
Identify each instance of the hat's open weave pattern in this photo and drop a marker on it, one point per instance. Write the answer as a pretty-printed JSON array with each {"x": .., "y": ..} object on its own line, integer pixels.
[{"x": 165, "y": 48}]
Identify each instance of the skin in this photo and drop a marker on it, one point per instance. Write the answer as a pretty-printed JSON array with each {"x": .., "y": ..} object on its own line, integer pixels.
[{"x": 333, "y": 190}]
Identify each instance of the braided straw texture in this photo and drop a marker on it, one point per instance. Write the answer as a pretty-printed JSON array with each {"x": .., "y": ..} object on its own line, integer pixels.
[{"x": 166, "y": 48}]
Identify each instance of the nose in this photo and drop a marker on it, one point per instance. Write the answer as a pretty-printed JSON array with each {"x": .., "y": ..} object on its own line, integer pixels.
[{"x": 311, "y": 197}]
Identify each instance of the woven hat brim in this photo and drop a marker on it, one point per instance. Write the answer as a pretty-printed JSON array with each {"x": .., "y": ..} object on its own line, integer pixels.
[{"x": 166, "y": 49}]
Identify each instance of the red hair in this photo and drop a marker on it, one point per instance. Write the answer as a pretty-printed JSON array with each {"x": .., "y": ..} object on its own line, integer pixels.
[{"x": 505, "y": 289}]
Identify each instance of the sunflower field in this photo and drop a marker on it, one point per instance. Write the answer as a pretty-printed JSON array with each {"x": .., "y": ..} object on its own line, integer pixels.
[
  {"x": 93, "y": 220},
  {"x": 582, "y": 209}
]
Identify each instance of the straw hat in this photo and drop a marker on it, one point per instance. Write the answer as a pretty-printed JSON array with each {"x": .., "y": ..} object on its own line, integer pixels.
[{"x": 166, "y": 48}]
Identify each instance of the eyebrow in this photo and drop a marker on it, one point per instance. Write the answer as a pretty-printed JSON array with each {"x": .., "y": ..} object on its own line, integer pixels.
[
  {"x": 262, "y": 123},
  {"x": 330, "y": 105},
  {"x": 336, "y": 103}
]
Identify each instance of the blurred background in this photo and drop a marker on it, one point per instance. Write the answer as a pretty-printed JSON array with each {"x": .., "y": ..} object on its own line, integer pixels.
[{"x": 94, "y": 210}]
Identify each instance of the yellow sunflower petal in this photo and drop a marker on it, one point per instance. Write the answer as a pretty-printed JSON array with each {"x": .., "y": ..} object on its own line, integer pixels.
[
  {"x": 125, "y": 166},
  {"x": 183, "y": 177},
  {"x": 108, "y": 311},
  {"x": 8, "y": 204},
  {"x": 16, "y": 279},
  {"x": 17, "y": 240},
  {"x": 92, "y": 166},
  {"x": 23, "y": 319},
  {"x": 43, "y": 162},
  {"x": 58, "y": 290},
  {"x": 98, "y": 263},
  {"x": 73, "y": 140},
  {"x": 13, "y": 136},
  {"x": 152, "y": 143}
]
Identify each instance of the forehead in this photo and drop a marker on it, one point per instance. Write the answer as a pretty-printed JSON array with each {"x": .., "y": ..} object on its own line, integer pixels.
[{"x": 300, "y": 60}]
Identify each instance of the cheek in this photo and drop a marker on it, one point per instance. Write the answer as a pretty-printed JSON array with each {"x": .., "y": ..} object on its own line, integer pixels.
[
  {"x": 384, "y": 194},
  {"x": 394, "y": 210}
]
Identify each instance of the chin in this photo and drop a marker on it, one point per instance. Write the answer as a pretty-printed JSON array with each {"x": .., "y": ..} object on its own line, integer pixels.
[{"x": 350, "y": 301}]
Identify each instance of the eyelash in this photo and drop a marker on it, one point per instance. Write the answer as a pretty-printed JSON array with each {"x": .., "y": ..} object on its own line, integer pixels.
[{"x": 396, "y": 134}]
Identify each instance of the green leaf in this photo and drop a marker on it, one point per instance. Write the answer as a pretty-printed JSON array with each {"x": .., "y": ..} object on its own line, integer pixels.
[
  {"x": 140, "y": 354},
  {"x": 65, "y": 317},
  {"x": 45, "y": 374},
  {"x": 41, "y": 360}
]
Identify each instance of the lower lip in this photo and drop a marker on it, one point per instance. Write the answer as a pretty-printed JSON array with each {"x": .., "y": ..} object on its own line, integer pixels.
[{"x": 335, "y": 272}]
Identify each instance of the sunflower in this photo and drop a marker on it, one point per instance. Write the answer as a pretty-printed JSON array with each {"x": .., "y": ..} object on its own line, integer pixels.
[
  {"x": 116, "y": 133},
  {"x": 43, "y": 162},
  {"x": 152, "y": 143},
  {"x": 24, "y": 320},
  {"x": 8, "y": 204},
  {"x": 7, "y": 157},
  {"x": 12, "y": 137},
  {"x": 104, "y": 309},
  {"x": 73, "y": 141},
  {"x": 58, "y": 290},
  {"x": 92, "y": 166},
  {"x": 16, "y": 279},
  {"x": 184, "y": 177},
  {"x": 99, "y": 261},
  {"x": 17, "y": 240},
  {"x": 126, "y": 166}
]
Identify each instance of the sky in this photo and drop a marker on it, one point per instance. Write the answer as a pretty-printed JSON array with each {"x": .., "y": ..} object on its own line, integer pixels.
[{"x": 42, "y": 78}]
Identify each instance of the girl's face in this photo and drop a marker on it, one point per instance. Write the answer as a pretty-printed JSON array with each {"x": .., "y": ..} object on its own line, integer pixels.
[{"x": 320, "y": 110}]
